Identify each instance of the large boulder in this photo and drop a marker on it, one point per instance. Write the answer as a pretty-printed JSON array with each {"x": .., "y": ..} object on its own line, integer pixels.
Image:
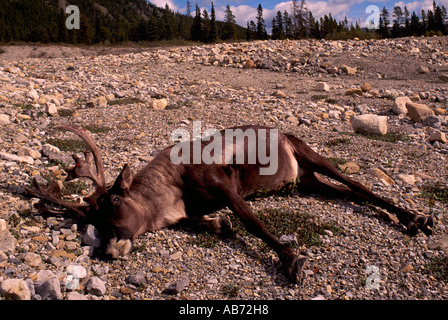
[
  {"x": 418, "y": 112},
  {"x": 370, "y": 123}
]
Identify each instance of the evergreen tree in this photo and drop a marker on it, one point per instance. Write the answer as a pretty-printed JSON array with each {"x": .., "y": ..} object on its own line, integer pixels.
[
  {"x": 196, "y": 27},
  {"x": 205, "y": 26},
  {"x": 398, "y": 20},
  {"x": 229, "y": 31},
  {"x": 424, "y": 24},
  {"x": 384, "y": 23},
  {"x": 213, "y": 35},
  {"x": 407, "y": 22},
  {"x": 188, "y": 7},
  {"x": 261, "y": 26},
  {"x": 414, "y": 25},
  {"x": 251, "y": 32},
  {"x": 278, "y": 31},
  {"x": 300, "y": 19},
  {"x": 287, "y": 21},
  {"x": 153, "y": 33}
]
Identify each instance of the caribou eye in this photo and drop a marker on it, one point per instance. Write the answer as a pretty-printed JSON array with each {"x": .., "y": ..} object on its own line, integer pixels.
[{"x": 116, "y": 200}]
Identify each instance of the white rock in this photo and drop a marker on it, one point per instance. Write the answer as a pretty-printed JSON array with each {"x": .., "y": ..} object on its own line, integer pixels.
[
  {"x": 322, "y": 86},
  {"x": 26, "y": 151},
  {"x": 399, "y": 107},
  {"x": 159, "y": 104},
  {"x": 33, "y": 259},
  {"x": 33, "y": 94},
  {"x": 16, "y": 289},
  {"x": 51, "y": 109},
  {"x": 3, "y": 225},
  {"x": 407, "y": 178},
  {"x": 370, "y": 123},
  {"x": 15, "y": 158},
  {"x": 4, "y": 119},
  {"x": 438, "y": 136},
  {"x": 74, "y": 295}
]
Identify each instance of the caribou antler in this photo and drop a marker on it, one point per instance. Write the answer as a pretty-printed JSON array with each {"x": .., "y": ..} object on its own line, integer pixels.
[{"x": 91, "y": 167}]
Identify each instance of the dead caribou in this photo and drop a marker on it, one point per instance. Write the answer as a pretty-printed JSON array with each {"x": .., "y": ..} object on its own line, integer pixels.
[{"x": 165, "y": 193}]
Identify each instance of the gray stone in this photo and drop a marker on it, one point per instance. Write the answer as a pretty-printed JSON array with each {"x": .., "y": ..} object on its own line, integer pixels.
[
  {"x": 49, "y": 289},
  {"x": 177, "y": 286},
  {"x": 137, "y": 280},
  {"x": 291, "y": 239},
  {"x": 96, "y": 286},
  {"x": 432, "y": 121},
  {"x": 92, "y": 236},
  {"x": 441, "y": 245}
]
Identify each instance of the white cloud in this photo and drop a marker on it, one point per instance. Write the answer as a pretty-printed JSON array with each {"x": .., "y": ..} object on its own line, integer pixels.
[
  {"x": 416, "y": 6},
  {"x": 162, "y": 3}
]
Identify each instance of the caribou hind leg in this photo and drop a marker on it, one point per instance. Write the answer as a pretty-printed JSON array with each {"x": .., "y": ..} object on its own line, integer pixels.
[{"x": 311, "y": 161}]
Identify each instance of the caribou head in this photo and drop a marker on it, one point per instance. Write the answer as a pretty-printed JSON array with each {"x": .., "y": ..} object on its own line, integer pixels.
[{"x": 107, "y": 209}]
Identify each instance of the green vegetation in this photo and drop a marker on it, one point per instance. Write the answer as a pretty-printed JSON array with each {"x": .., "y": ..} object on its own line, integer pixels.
[
  {"x": 438, "y": 268},
  {"x": 287, "y": 222},
  {"x": 125, "y": 101},
  {"x": 96, "y": 128},
  {"x": 391, "y": 137},
  {"x": 435, "y": 191},
  {"x": 337, "y": 141},
  {"x": 230, "y": 290},
  {"x": 204, "y": 240},
  {"x": 74, "y": 145}
]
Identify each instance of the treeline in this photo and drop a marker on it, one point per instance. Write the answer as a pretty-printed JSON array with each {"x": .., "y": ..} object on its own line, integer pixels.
[
  {"x": 108, "y": 21},
  {"x": 117, "y": 21},
  {"x": 299, "y": 23},
  {"x": 430, "y": 22}
]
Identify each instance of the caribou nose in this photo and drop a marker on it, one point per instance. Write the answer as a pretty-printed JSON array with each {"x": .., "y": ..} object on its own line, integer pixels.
[{"x": 118, "y": 248}]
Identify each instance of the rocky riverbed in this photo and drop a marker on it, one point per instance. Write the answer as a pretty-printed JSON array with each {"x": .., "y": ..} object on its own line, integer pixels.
[{"x": 133, "y": 100}]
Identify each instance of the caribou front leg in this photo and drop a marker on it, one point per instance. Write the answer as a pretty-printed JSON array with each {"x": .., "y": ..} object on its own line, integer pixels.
[
  {"x": 213, "y": 223},
  {"x": 291, "y": 263}
]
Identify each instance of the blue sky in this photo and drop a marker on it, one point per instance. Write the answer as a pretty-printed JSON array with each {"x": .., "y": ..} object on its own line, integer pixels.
[{"x": 354, "y": 10}]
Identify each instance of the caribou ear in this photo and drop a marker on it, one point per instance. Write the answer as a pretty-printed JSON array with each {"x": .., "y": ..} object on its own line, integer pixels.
[{"x": 124, "y": 180}]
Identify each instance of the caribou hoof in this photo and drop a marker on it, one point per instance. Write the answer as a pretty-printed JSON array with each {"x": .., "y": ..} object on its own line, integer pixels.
[
  {"x": 425, "y": 223},
  {"x": 225, "y": 226},
  {"x": 293, "y": 267}
]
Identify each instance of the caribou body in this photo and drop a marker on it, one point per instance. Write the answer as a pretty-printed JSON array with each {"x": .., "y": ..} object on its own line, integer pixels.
[{"x": 165, "y": 192}]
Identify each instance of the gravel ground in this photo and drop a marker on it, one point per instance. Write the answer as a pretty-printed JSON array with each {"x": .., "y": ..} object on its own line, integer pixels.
[{"x": 367, "y": 257}]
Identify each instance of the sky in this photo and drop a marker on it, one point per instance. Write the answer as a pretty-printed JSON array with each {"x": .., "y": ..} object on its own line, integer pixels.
[{"x": 354, "y": 10}]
